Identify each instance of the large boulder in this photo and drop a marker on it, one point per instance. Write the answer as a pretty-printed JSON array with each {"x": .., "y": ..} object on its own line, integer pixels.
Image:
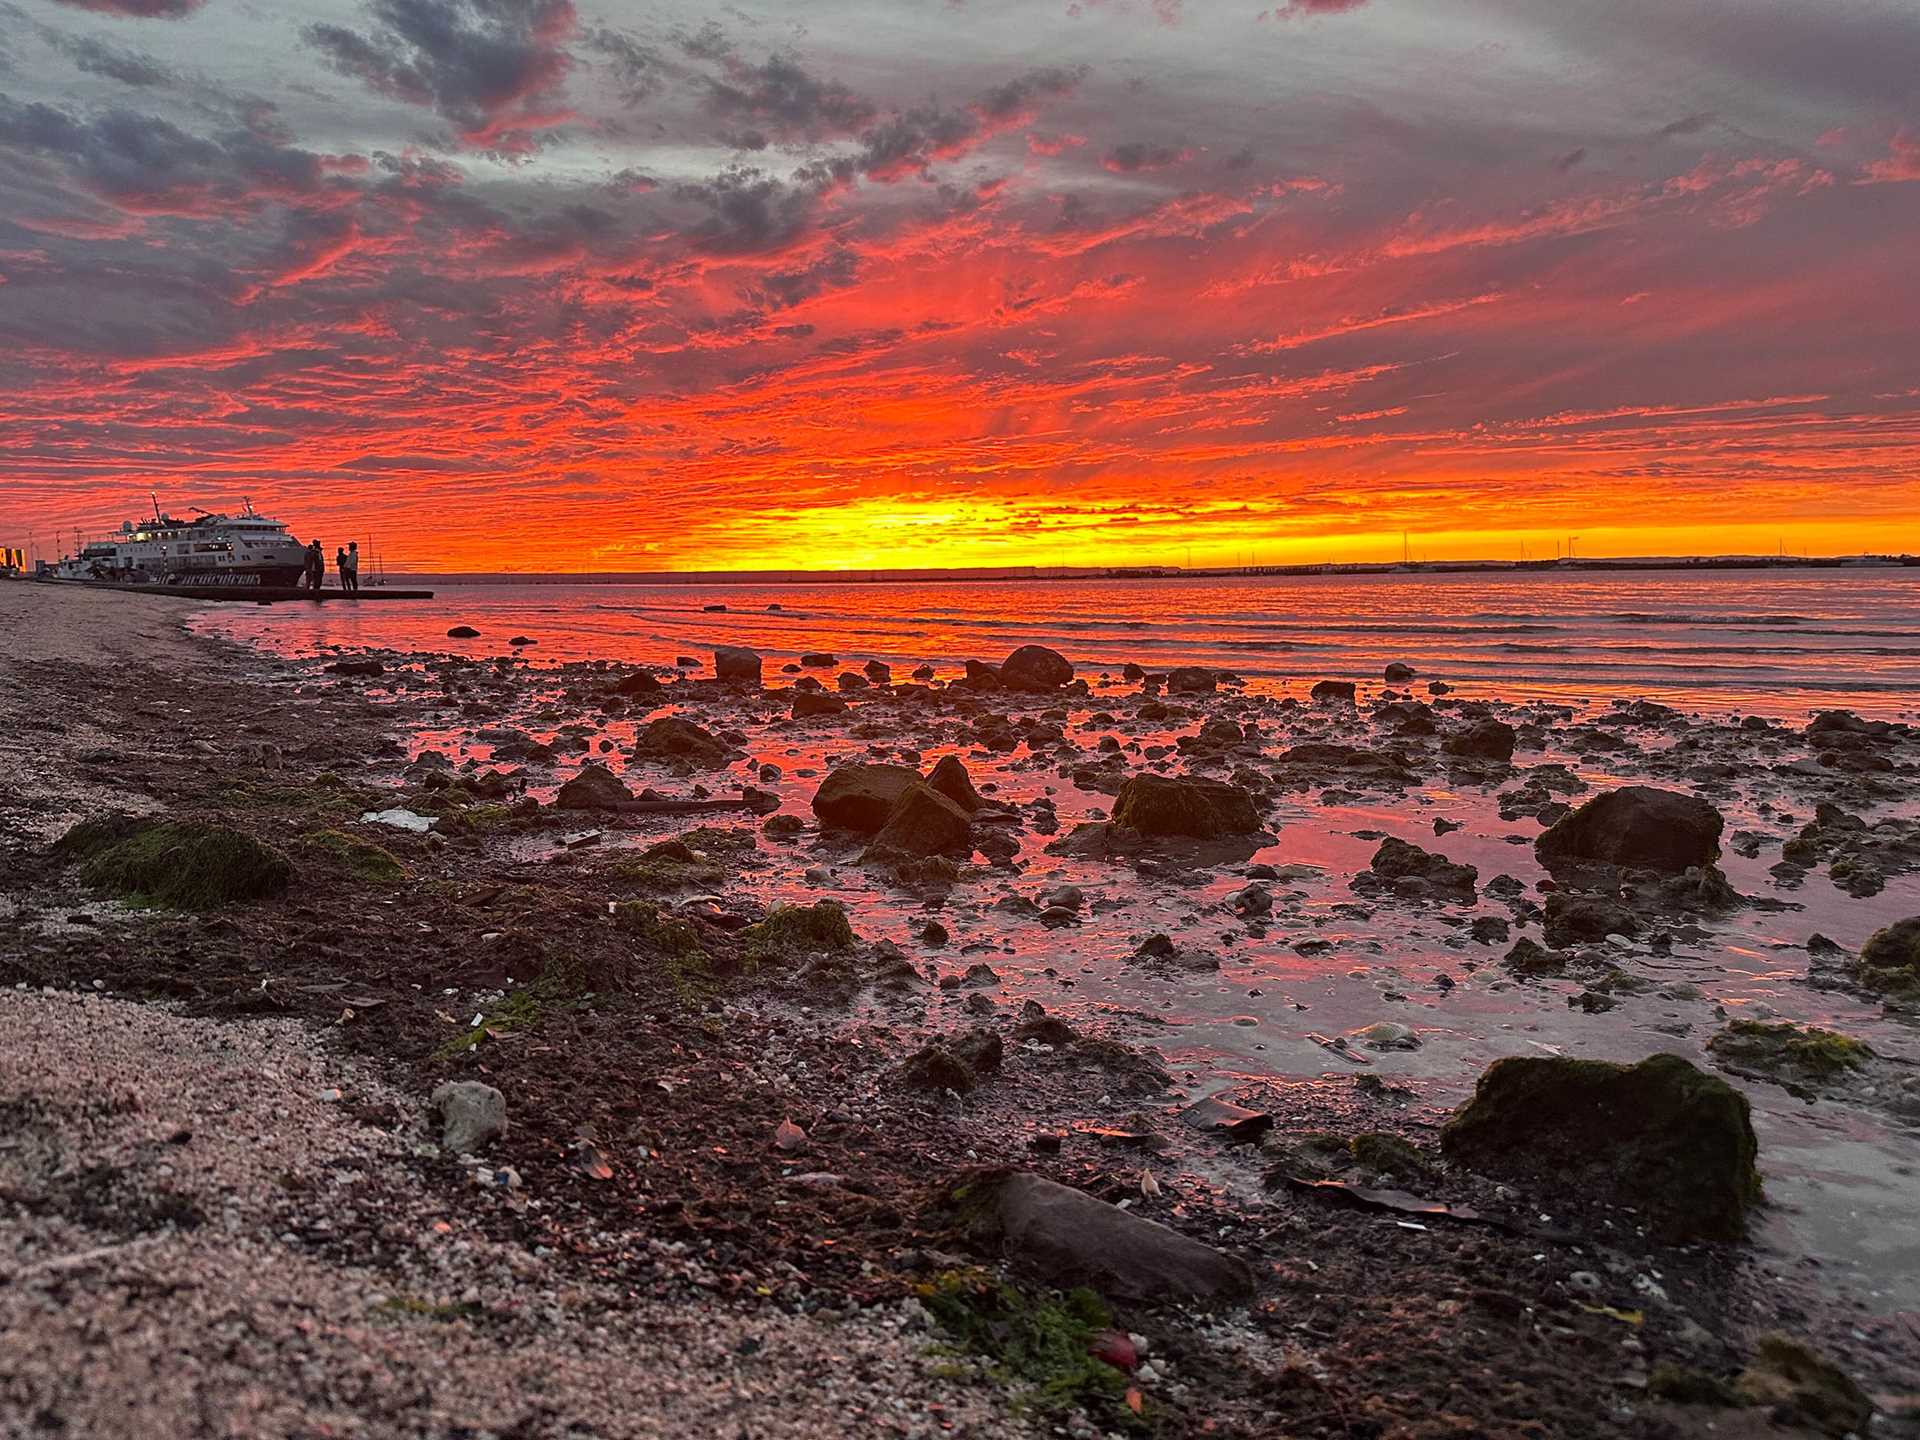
[
  {"x": 1661, "y": 1136},
  {"x": 1191, "y": 680},
  {"x": 1482, "y": 740},
  {"x": 809, "y": 703},
  {"x": 1636, "y": 826},
  {"x": 924, "y": 822},
  {"x": 1203, "y": 809},
  {"x": 1035, "y": 667},
  {"x": 640, "y": 682},
  {"x": 1071, "y": 1238},
  {"x": 731, "y": 662},
  {"x": 861, "y": 797},
  {"x": 672, "y": 739},
  {"x": 1397, "y": 860},
  {"x": 949, "y": 776},
  {"x": 1334, "y": 690},
  {"x": 594, "y": 788}
]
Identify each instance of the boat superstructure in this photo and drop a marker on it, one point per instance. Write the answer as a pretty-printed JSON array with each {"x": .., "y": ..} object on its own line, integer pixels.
[{"x": 247, "y": 549}]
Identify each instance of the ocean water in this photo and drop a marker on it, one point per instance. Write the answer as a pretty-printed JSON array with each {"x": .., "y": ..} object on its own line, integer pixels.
[{"x": 1763, "y": 642}]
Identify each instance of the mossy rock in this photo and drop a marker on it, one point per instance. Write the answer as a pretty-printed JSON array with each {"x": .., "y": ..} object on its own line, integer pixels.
[
  {"x": 1683, "y": 1385},
  {"x": 659, "y": 933},
  {"x": 1890, "y": 960},
  {"x": 1041, "y": 1343},
  {"x": 1202, "y": 809},
  {"x": 1794, "y": 1382},
  {"x": 1662, "y": 1136},
  {"x": 791, "y": 930},
  {"x": 175, "y": 864},
  {"x": 361, "y": 859},
  {"x": 668, "y": 865},
  {"x": 1390, "y": 1155},
  {"x": 1785, "y": 1051}
]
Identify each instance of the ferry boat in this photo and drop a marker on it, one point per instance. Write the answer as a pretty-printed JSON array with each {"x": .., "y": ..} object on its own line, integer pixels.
[{"x": 212, "y": 550}]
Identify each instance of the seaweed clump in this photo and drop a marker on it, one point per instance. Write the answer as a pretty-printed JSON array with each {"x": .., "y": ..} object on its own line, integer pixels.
[
  {"x": 1042, "y": 1343},
  {"x": 175, "y": 864},
  {"x": 1890, "y": 960},
  {"x": 362, "y": 859},
  {"x": 791, "y": 930},
  {"x": 1783, "y": 1051}
]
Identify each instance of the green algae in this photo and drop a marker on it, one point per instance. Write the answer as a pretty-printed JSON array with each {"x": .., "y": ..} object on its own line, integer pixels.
[
  {"x": 362, "y": 859},
  {"x": 175, "y": 864}
]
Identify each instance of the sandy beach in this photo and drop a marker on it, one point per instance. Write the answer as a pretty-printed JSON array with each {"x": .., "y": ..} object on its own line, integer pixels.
[{"x": 766, "y": 1024}]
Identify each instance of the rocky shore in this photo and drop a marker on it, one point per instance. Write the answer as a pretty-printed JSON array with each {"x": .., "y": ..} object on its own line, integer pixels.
[{"x": 426, "y": 1045}]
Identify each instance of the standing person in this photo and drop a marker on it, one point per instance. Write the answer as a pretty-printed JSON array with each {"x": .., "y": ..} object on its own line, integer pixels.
[
  {"x": 340, "y": 564},
  {"x": 316, "y": 566},
  {"x": 353, "y": 566}
]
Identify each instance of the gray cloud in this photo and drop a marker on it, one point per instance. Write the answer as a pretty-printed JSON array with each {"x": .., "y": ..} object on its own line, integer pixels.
[
  {"x": 97, "y": 57},
  {"x": 137, "y": 9},
  {"x": 783, "y": 94}
]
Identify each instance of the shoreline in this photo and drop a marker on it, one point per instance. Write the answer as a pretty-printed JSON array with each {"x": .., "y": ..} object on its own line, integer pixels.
[{"x": 676, "y": 1079}]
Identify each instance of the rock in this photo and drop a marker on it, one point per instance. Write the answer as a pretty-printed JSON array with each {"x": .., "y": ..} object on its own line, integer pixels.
[
  {"x": 879, "y": 672},
  {"x": 980, "y": 1050},
  {"x": 593, "y": 788},
  {"x": 809, "y": 703},
  {"x": 520, "y": 641},
  {"x": 1204, "y": 809},
  {"x": 1661, "y": 1136},
  {"x": 639, "y": 683},
  {"x": 174, "y": 864},
  {"x": 1237, "y": 1123},
  {"x": 1397, "y": 672},
  {"x": 1483, "y": 740},
  {"x": 1334, "y": 690},
  {"x": 1636, "y": 826},
  {"x": 472, "y": 1115},
  {"x": 818, "y": 660},
  {"x": 1573, "y": 916},
  {"x": 1035, "y": 667},
  {"x": 950, "y": 778},
  {"x": 1191, "y": 680},
  {"x": 463, "y": 632},
  {"x": 934, "y": 1067},
  {"x": 671, "y": 738},
  {"x": 924, "y": 822},
  {"x": 861, "y": 796},
  {"x": 1890, "y": 960},
  {"x": 356, "y": 667},
  {"x": 1132, "y": 673},
  {"x": 1785, "y": 1376},
  {"x": 731, "y": 662},
  {"x": 1779, "y": 1050},
  {"x": 1062, "y": 897},
  {"x": 1072, "y": 1238},
  {"x": 1397, "y": 860}
]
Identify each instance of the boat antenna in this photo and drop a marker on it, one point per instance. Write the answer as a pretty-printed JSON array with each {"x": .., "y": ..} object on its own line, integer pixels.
[{"x": 155, "y": 494}]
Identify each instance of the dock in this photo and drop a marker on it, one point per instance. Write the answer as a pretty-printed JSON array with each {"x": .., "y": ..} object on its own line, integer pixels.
[{"x": 248, "y": 594}]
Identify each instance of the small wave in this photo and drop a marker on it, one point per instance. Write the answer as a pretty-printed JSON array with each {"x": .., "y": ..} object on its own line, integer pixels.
[{"x": 1644, "y": 617}]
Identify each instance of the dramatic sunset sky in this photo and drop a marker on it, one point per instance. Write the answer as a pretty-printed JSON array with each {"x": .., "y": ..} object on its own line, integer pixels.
[{"x": 575, "y": 284}]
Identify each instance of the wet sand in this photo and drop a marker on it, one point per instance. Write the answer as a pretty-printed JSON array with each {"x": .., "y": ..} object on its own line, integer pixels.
[{"x": 681, "y": 1094}]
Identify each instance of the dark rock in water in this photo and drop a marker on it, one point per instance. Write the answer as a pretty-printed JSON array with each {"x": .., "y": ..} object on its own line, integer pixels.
[
  {"x": 1799, "y": 1386},
  {"x": 174, "y": 864},
  {"x": 1529, "y": 960},
  {"x": 1397, "y": 672},
  {"x": 463, "y": 632},
  {"x": 521, "y": 640},
  {"x": 818, "y": 660},
  {"x": 1334, "y": 690},
  {"x": 1573, "y": 917},
  {"x": 1132, "y": 673},
  {"x": 1204, "y": 809},
  {"x": 1071, "y": 1238},
  {"x": 594, "y": 788},
  {"x": 934, "y": 933},
  {"x": 670, "y": 738},
  {"x": 1191, "y": 680},
  {"x": 847, "y": 680},
  {"x": 731, "y": 662},
  {"x": 923, "y": 672},
  {"x": 924, "y": 822},
  {"x": 1483, "y": 740},
  {"x": 950, "y": 778},
  {"x": 1661, "y": 1136},
  {"x": 861, "y": 797},
  {"x": 1890, "y": 960},
  {"x": 356, "y": 667},
  {"x": 714, "y": 609},
  {"x": 808, "y": 703},
  {"x": 934, "y": 1067},
  {"x": 1802, "y": 1059},
  {"x": 1636, "y": 826},
  {"x": 1035, "y": 667},
  {"x": 980, "y": 676},
  {"x": 639, "y": 683},
  {"x": 1396, "y": 860},
  {"x": 879, "y": 672}
]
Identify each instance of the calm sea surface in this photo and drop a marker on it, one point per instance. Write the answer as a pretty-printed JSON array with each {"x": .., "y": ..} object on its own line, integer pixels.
[{"x": 1761, "y": 641}]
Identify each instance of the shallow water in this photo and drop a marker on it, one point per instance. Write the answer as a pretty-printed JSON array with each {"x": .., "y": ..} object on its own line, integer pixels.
[
  {"x": 1762, "y": 642},
  {"x": 1841, "y": 1178}
]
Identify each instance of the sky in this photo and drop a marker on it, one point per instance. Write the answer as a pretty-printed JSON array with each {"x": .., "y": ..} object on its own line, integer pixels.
[{"x": 841, "y": 284}]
